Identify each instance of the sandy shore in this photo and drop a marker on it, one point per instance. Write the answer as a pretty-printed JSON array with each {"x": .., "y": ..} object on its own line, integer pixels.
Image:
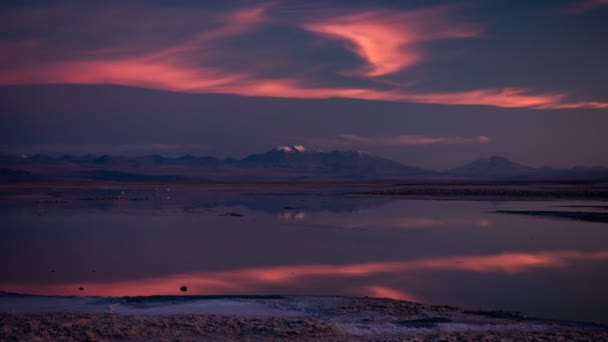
[{"x": 34, "y": 318}]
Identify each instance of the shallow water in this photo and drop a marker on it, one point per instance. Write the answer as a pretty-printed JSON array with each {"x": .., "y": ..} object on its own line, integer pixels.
[{"x": 113, "y": 241}]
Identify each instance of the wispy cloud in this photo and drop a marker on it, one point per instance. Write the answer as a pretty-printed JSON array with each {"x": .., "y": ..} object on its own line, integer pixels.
[
  {"x": 388, "y": 41},
  {"x": 199, "y": 51},
  {"x": 397, "y": 140}
]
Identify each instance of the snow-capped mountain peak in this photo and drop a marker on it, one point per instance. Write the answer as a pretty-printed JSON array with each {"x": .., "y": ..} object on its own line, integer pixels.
[{"x": 290, "y": 148}]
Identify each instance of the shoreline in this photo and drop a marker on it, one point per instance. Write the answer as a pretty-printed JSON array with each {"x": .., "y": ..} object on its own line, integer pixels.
[
  {"x": 29, "y": 317},
  {"x": 295, "y": 182}
]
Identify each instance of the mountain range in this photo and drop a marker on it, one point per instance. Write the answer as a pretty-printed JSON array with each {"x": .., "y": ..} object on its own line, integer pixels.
[{"x": 283, "y": 163}]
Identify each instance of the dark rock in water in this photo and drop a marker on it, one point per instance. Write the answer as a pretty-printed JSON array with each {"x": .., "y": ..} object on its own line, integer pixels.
[
  {"x": 292, "y": 208},
  {"x": 183, "y": 288},
  {"x": 81, "y": 288},
  {"x": 498, "y": 314},
  {"x": 430, "y": 322},
  {"x": 232, "y": 214}
]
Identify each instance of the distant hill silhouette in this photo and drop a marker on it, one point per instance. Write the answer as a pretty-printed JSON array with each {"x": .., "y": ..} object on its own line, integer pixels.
[
  {"x": 496, "y": 167},
  {"x": 293, "y": 163},
  {"x": 491, "y": 168}
]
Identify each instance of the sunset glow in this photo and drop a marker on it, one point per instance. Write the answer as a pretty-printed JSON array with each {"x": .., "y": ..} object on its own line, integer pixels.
[
  {"x": 253, "y": 280},
  {"x": 303, "y": 170},
  {"x": 387, "y": 43}
]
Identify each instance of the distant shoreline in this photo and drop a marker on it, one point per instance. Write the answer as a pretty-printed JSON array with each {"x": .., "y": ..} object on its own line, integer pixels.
[
  {"x": 488, "y": 192},
  {"x": 471, "y": 190},
  {"x": 387, "y": 182}
]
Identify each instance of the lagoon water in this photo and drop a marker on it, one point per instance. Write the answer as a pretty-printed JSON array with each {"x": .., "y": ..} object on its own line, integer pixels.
[{"x": 261, "y": 239}]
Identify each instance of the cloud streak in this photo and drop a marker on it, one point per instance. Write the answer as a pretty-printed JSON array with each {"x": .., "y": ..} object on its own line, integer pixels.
[
  {"x": 196, "y": 59},
  {"x": 388, "y": 40},
  {"x": 398, "y": 140}
]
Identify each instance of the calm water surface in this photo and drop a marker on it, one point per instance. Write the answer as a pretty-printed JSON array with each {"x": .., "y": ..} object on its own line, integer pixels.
[{"x": 114, "y": 241}]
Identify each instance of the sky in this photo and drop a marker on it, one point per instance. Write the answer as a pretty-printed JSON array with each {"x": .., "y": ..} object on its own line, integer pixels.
[{"x": 428, "y": 83}]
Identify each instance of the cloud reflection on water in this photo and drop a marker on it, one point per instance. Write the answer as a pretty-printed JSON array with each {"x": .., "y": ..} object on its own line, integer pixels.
[{"x": 263, "y": 280}]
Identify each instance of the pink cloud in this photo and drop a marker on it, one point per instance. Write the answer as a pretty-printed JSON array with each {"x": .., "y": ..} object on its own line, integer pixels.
[
  {"x": 167, "y": 73},
  {"x": 410, "y": 140},
  {"x": 505, "y": 97},
  {"x": 388, "y": 40}
]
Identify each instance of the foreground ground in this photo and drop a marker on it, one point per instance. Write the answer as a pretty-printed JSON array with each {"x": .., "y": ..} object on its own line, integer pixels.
[{"x": 33, "y": 318}]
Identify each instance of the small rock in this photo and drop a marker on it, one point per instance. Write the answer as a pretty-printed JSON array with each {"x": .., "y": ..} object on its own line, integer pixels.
[
  {"x": 183, "y": 288},
  {"x": 81, "y": 288},
  {"x": 232, "y": 214}
]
